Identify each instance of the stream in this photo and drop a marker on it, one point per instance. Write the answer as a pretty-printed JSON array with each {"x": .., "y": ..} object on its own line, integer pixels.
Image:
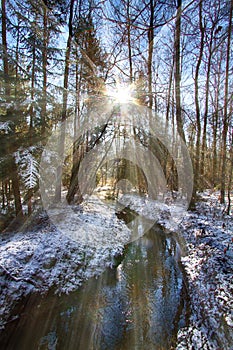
[{"x": 140, "y": 304}]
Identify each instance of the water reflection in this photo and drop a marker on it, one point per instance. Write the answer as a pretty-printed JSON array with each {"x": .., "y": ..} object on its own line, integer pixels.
[{"x": 139, "y": 305}]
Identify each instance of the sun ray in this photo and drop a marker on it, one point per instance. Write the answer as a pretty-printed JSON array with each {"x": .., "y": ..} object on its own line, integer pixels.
[{"x": 122, "y": 93}]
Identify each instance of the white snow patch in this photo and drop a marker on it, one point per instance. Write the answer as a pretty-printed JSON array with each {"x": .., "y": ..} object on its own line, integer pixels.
[
  {"x": 37, "y": 261},
  {"x": 5, "y": 126},
  {"x": 208, "y": 232},
  {"x": 169, "y": 215}
]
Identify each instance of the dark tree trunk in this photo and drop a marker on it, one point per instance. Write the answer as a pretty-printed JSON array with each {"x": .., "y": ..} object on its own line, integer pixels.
[
  {"x": 198, "y": 118},
  {"x": 44, "y": 68},
  {"x": 230, "y": 177},
  {"x": 205, "y": 117},
  {"x": 13, "y": 168},
  {"x": 64, "y": 105},
  {"x": 150, "y": 52},
  {"x": 179, "y": 120},
  {"x": 225, "y": 112},
  {"x": 79, "y": 153},
  {"x": 129, "y": 42},
  {"x": 16, "y": 188}
]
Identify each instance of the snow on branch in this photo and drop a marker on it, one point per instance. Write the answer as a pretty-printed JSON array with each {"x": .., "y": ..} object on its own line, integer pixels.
[
  {"x": 5, "y": 127},
  {"x": 28, "y": 167}
]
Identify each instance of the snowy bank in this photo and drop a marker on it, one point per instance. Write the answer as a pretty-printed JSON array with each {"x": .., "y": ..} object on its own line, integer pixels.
[
  {"x": 164, "y": 211},
  {"x": 208, "y": 264},
  {"x": 89, "y": 239},
  {"x": 209, "y": 268}
]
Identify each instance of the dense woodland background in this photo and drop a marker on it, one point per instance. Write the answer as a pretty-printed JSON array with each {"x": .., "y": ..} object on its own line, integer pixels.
[{"x": 56, "y": 54}]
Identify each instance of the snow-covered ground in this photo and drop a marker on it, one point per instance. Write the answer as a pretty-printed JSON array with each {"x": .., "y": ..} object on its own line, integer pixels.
[
  {"x": 209, "y": 267},
  {"x": 208, "y": 264},
  {"x": 164, "y": 210},
  {"x": 60, "y": 259},
  {"x": 90, "y": 236}
]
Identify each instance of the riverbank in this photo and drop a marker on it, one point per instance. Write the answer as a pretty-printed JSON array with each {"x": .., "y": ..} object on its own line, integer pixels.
[
  {"x": 208, "y": 232},
  {"x": 47, "y": 258},
  {"x": 208, "y": 264}
]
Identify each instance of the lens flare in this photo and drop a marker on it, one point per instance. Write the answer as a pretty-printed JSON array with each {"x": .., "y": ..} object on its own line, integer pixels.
[{"x": 121, "y": 93}]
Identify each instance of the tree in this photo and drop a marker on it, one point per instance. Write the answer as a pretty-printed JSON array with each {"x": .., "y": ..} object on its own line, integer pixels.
[
  {"x": 91, "y": 81},
  {"x": 197, "y": 104},
  {"x": 177, "y": 73},
  {"x": 6, "y": 72},
  {"x": 225, "y": 111},
  {"x": 64, "y": 102}
]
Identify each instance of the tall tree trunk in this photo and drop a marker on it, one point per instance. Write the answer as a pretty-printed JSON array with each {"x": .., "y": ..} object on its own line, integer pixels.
[
  {"x": 5, "y": 52},
  {"x": 225, "y": 112},
  {"x": 31, "y": 110},
  {"x": 169, "y": 95},
  {"x": 198, "y": 118},
  {"x": 44, "y": 68},
  {"x": 17, "y": 55},
  {"x": 205, "y": 117},
  {"x": 64, "y": 105},
  {"x": 32, "y": 113},
  {"x": 179, "y": 120},
  {"x": 16, "y": 188},
  {"x": 215, "y": 122},
  {"x": 230, "y": 176},
  {"x": 150, "y": 77},
  {"x": 78, "y": 78},
  {"x": 150, "y": 52},
  {"x": 78, "y": 156},
  {"x": 13, "y": 169},
  {"x": 129, "y": 42}
]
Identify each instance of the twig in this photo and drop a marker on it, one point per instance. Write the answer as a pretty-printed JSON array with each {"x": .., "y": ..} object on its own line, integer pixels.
[{"x": 18, "y": 279}]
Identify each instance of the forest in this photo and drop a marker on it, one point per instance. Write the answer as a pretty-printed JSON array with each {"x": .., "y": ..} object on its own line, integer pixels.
[
  {"x": 59, "y": 57},
  {"x": 116, "y": 166}
]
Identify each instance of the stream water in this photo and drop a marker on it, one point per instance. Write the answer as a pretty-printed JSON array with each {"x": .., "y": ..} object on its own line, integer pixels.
[{"x": 138, "y": 305}]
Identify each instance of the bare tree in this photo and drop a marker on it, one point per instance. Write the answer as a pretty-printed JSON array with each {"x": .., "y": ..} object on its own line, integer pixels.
[
  {"x": 177, "y": 73},
  {"x": 225, "y": 111},
  {"x": 197, "y": 106}
]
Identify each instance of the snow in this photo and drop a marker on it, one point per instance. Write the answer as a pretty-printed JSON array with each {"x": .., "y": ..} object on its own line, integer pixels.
[
  {"x": 90, "y": 236},
  {"x": 5, "y": 126},
  {"x": 158, "y": 211},
  {"x": 50, "y": 258},
  {"x": 28, "y": 167},
  {"x": 94, "y": 223},
  {"x": 208, "y": 264},
  {"x": 208, "y": 232}
]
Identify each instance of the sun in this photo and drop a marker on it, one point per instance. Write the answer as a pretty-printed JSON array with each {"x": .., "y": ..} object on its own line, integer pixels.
[{"x": 121, "y": 93}]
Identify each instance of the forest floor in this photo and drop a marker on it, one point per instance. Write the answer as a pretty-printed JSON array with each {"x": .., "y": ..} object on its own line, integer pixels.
[{"x": 46, "y": 258}]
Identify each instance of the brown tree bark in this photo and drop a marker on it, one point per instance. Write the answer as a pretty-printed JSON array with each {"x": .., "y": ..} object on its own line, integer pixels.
[
  {"x": 129, "y": 42},
  {"x": 64, "y": 104},
  {"x": 150, "y": 52},
  {"x": 225, "y": 112},
  {"x": 5, "y": 52},
  {"x": 44, "y": 68},
  {"x": 177, "y": 73},
  {"x": 13, "y": 168},
  {"x": 215, "y": 122},
  {"x": 205, "y": 117},
  {"x": 196, "y": 92},
  {"x": 230, "y": 177}
]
